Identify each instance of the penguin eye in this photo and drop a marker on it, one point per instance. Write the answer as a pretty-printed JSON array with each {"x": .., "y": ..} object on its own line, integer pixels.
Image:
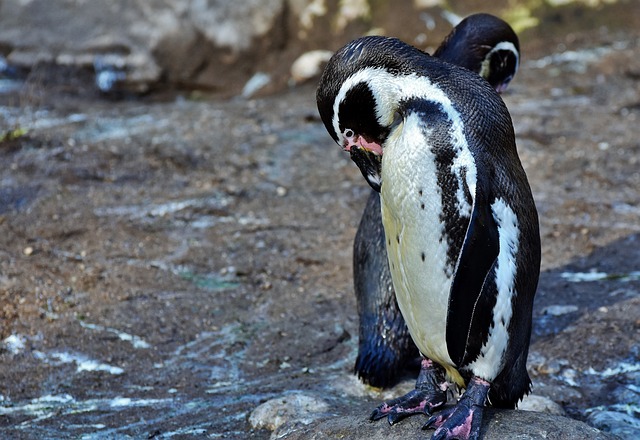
[{"x": 348, "y": 133}]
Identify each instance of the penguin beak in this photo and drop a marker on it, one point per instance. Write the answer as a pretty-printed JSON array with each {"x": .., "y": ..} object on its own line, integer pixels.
[
  {"x": 500, "y": 88},
  {"x": 370, "y": 164},
  {"x": 359, "y": 142},
  {"x": 366, "y": 155}
]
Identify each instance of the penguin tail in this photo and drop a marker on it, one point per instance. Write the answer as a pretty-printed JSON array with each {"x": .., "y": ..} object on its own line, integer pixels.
[
  {"x": 383, "y": 365},
  {"x": 511, "y": 385}
]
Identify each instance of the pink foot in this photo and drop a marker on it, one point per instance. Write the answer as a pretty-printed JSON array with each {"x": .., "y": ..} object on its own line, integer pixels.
[
  {"x": 463, "y": 420},
  {"x": 430, "y": 393}
]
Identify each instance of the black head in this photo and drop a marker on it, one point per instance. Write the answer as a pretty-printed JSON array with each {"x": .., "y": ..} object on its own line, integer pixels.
[
  {"x": 355, "y": 113},
  {"x": 371, "y": 85},
  {"x": 486, "y": 45}
]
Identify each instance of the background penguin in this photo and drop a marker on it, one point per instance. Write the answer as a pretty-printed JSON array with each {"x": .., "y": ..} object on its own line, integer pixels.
[
  {"x": 486, "y": 45},
  {"x": 460, "y": 222}
]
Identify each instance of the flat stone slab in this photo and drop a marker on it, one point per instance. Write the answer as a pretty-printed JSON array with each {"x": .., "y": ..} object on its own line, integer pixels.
[{"x": 497, "y": 425}]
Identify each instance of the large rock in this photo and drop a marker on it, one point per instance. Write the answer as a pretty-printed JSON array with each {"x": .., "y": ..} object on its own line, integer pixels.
[
  {"x": 179, "y": 42},
  {"x": 213, "y": 45},
  {"x": 497, "y": 425},
  {"x": 219, "y": 45}
]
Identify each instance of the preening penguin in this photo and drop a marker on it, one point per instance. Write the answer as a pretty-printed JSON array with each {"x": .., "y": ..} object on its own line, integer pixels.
[
  {"x": 484, "y": 44},
  {"x": 460, "y": 223}
]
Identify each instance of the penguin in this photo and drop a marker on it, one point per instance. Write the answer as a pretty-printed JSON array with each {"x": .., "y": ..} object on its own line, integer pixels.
[
  {"x": 461, "y": 227},
  {"x": 488, "y": 46}
]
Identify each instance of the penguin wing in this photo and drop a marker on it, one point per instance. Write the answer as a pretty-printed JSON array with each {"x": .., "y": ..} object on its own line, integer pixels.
[{"x": 473, "y": 290}]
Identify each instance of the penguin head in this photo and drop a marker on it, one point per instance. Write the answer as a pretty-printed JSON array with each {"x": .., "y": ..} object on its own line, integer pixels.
[
  {"x": 484, "y": 44},
  {"x": 358, "y": 104},
  {"x": 372, "y": 87},
  {"x": 358, "y": 114}
]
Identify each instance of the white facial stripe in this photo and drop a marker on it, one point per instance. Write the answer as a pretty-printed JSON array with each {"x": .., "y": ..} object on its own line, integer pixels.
[
  {"x": 388, "y": 90},
  {"x": 489, "y": 363},
  {"x": 503, "y": 45},
  {"x": 373, "y": 77}
]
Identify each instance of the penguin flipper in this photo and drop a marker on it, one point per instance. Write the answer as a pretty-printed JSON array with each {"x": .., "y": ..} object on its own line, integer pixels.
[{"x": 473, "y": 290}]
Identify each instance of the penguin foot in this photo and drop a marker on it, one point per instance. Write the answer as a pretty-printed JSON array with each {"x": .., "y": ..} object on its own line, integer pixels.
[
  {"x": 430, "y": 393},
  {"x": 463, "y": 420}
]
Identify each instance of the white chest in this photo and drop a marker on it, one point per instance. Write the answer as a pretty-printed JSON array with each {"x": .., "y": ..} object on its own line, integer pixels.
[{"x": 411, "y": 210}]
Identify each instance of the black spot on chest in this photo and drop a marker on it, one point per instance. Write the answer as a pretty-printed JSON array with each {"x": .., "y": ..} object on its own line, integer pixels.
[{"x": 438, "y": 131}]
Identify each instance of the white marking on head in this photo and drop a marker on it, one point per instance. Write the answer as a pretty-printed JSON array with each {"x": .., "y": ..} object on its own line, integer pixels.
[
  {"x": 375, "y": 79},
  {"x": 388, "y": 91},
  {"x": 503, "y": 45},
  {"x": 489, "y": 363}
]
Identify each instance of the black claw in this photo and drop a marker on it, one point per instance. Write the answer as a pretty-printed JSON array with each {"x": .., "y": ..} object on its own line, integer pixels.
[
  {"x": 396, "y": 417},
  {"x": 463, "y": 420},
  {"x": 376, "y": 414},
  {"x": 433, "y": 421},
  {"x": 414, "y": 402},
  {"x": 417, "y": 402},
  {"x": 429, "y": 395}
]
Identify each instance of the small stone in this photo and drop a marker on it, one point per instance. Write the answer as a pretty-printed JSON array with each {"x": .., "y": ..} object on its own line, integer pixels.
[
  {"x": 534, "y": 402},
  {"x": 536, "y": 360},
  {"x": 255, "y": 83},
  {"x": 559, "y": 310},
  {"x": 294, "y": 407},
  {"x": 616, "y": 423},
  {"x": 553, "y": 367},
  {"x": 281, "y": 191},
  {"x": 309, "y": 65},
  {"x": 28, "y": 251},
  {"x": 14, "y": 344},
  {"x": 569, "y": 376}
]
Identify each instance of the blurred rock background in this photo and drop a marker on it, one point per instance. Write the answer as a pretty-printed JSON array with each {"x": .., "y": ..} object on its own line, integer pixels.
[{"x": 221, "y": 47}]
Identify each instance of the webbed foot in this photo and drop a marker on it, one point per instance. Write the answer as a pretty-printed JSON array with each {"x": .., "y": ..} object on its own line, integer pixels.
[
  {"x": 430, "y": 393},
  {"x": 462, "y": 421}
]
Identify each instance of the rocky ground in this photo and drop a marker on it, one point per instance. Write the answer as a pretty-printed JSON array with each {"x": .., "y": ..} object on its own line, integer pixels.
[{"x": 168, "y": 265}]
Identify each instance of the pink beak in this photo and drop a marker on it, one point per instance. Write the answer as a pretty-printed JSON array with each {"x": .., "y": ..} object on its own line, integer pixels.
[{"x": 360, "y": 142}]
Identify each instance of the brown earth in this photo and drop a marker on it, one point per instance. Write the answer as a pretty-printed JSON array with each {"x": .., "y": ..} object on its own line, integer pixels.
[{"x": 166, "y": 266}]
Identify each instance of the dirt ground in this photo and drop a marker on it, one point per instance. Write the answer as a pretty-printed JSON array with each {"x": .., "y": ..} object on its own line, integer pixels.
[{"x": 168, "y": 265}]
